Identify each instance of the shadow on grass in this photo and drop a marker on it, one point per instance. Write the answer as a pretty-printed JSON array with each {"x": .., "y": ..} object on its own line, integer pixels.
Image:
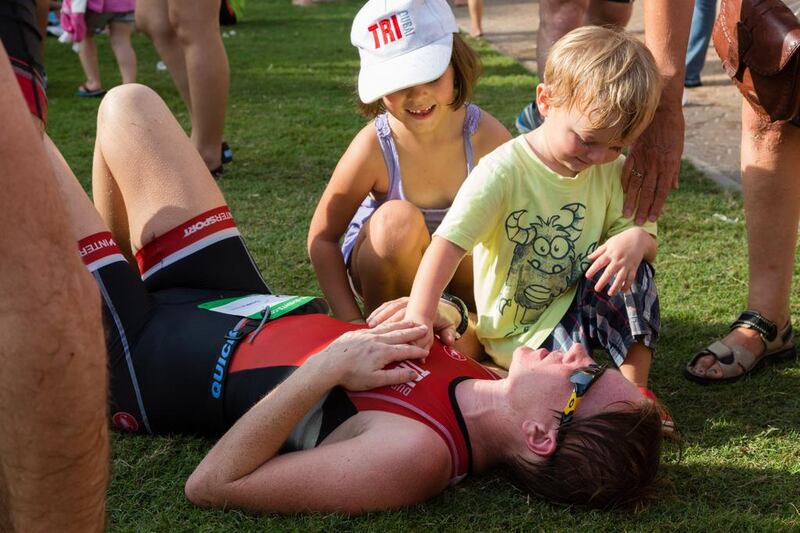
[
  {"x": 710, "y": 496},
  {"x": 748, "y": 496},
  {"x": 503, "y": 70}
]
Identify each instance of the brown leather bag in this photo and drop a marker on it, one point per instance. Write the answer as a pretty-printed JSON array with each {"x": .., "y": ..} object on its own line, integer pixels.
[{"x": 759, "y": 44}]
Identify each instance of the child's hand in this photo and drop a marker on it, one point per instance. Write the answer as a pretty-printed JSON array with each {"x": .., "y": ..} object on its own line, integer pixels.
[
  {"x": 396, "y": 310},
  {"x": 391, "y": 311},
  {"x": 425, "y": 341},
  {"x": 620, "y": 256},
  {"x": 444, "y": 323}
]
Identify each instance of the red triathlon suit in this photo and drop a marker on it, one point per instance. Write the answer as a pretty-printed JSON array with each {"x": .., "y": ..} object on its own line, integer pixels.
[
  {"x": 430, "y": 399},
  {"x": 177, "y": 367}
]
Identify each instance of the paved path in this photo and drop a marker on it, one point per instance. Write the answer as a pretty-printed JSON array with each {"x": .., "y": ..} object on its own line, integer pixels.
[{"x": 712, "y": 112}]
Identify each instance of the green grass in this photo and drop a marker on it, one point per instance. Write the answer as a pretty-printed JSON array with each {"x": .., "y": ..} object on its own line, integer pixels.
[{"x": 291, "y": 115}]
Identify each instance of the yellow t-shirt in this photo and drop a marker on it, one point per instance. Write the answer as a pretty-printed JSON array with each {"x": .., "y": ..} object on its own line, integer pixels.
[{"x": 530, "y": 231}]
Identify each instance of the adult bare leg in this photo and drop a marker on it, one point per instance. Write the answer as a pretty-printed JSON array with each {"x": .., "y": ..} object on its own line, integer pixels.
[
  {"x": 196, "y": 24},
  {"x": 152, "y": 19},
  {"x": 559, "y": 17},
  {"x": 54, "y": 440},
  {"x": 475, "y": 17},
  {"x": 556, "y": 19},
  {"x": 147, "y": 176},
  {"x": 42, "y": 10},
  {"x": 120, "y": 37},
  {"x": 770, "y": 159},
  {"x": 606, "y": 12}
]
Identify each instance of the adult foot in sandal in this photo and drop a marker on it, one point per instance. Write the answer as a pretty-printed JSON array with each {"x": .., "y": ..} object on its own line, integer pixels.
[
  {"x": 752, "y": 342},
  {"x": 85, "y": 91}
]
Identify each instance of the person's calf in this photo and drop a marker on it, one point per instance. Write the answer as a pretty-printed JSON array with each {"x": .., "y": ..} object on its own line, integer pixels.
[
  {"x": 636, "y": 367},
  {"x": 605, "y": 12},
  {"x": 54, "y": 446}
]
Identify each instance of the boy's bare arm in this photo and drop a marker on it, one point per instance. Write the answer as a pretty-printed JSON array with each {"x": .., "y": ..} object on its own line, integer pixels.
[
  {"x": 435, "y": 271},
  {"x": 448, "y": 318},
  {"x": 650, "y": 246},
  {"x": 621, "y": 256}
]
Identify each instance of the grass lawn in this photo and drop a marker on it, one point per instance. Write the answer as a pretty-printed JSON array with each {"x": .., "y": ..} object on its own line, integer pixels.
[{"x": 291, "y": 115}]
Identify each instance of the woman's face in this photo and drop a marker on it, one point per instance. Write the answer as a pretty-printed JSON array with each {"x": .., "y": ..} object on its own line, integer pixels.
[
  {"x": 423, "y": 107},
  {"x": 540, "y": 384}
]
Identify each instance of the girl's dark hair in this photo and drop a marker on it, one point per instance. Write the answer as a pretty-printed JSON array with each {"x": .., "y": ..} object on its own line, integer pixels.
[{"x": 466, "y": 70}]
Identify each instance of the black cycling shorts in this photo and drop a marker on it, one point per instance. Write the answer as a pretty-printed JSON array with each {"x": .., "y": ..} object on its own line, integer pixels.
[{"x": 163, "y": 349}]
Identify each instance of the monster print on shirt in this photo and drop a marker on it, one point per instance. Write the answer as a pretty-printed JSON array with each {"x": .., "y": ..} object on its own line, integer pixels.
[{"x": 545, "y": 262}]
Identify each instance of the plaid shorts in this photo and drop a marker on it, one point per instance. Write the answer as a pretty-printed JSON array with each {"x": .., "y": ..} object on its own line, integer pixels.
[{"x": 612, "y": 323}]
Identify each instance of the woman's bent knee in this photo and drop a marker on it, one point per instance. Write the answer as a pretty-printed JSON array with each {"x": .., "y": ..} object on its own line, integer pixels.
[{"x": 123, "y": 100}]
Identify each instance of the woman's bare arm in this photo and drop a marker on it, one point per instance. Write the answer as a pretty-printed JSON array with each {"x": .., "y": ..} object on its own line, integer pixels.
[{"x": 246, "y": 456}]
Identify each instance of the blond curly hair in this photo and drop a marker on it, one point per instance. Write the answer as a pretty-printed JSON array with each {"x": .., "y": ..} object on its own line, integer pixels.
[{"x": 607, "y": 74}]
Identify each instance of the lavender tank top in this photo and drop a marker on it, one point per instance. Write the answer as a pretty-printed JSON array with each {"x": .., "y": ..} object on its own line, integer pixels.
[{"x": 433, "y": 217}]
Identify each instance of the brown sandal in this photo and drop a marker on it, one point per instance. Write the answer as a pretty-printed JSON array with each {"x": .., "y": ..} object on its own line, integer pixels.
[{"x": 735, "y": 361}]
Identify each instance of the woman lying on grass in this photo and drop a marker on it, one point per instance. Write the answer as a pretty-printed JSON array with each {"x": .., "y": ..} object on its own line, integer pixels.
[{"x": 316, "y": 414}]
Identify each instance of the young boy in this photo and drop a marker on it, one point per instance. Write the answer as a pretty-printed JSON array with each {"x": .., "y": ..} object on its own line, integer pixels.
[{"x": 555, "y": 262}]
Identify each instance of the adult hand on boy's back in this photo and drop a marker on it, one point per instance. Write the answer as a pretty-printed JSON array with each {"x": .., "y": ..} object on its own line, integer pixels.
[
  {"x": 651, "y": 169},
  {"x": 620, "y": 256}
]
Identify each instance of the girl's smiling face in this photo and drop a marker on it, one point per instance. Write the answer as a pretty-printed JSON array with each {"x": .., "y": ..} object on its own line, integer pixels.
[{"x": 421, "y": 107}]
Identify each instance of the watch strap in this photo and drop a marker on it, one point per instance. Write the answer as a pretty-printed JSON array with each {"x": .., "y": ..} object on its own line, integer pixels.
[{"x": 462, "y": 309}]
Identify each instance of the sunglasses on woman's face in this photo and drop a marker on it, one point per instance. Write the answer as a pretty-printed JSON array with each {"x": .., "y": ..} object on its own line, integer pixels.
[{"x": 581, "y": 379}]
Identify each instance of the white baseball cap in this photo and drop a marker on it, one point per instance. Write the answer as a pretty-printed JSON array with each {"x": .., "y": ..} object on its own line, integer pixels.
[{"x": 402, "y": 43}]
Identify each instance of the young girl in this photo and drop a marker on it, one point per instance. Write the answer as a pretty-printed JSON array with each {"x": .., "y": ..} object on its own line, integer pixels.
[
  {"x": 82, "y": 19},
  {"x": 400, "y": 174}
]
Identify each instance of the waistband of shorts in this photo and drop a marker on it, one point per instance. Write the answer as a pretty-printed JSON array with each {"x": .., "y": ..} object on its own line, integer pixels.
[
  {"x": 31, "y": 81},
  {"x": 183, "y": 240},
  {"x": 99, "y": 250}
]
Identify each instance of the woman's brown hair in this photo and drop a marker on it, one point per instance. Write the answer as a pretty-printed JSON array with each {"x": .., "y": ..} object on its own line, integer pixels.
[{"x": 603, "y": 461}]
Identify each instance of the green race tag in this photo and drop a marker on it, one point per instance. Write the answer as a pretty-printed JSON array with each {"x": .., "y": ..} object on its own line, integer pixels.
[{"x": 254, "y": 305}]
